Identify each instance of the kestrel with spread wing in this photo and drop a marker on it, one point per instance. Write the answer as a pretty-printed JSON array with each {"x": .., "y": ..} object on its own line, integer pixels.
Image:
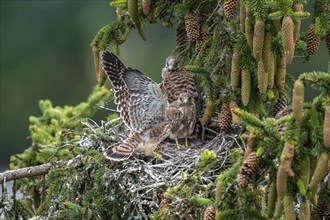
[
  {"x": 181, "y": 91},
  {"x": 143, "y": 106}
]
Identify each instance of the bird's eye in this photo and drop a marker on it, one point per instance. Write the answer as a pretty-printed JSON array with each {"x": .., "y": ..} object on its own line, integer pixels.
[{"x": 179, "y": 114}]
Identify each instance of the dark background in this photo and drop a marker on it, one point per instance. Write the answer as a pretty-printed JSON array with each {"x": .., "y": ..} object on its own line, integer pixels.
[{"x": 46, "y": 54}]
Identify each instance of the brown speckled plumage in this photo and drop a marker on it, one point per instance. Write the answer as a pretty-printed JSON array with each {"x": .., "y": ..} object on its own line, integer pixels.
[
  {"x": 176, "y": 80},
  {"x": 184, "y": 128},
  {"x": 143, "y": 106},
  {"x": 181, "y": 91}
]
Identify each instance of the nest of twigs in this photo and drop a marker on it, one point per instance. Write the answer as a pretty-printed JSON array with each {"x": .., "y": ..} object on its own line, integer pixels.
[{"x": 144, "y": 179}]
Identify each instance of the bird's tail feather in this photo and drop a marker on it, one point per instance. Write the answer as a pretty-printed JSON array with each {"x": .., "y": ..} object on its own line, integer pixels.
[{"x": 124, "y": 150}]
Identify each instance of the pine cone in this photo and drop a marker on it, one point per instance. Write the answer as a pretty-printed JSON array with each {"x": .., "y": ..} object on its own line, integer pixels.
[
  {"x": 164, "y": 201},
  {"x": 192, "y": 27},
  {"x": 287, "y": 38},
  {"x": 298, "y": 7},
  {"x": 327, "y": 41},
  {"x": 235, "y": 74},
  {"x": 229, "y": 7},
  {"x": 281, "y": 73},
  {"x": 225, "y": 118},
  {"x": 100, "y": 74},
  {"x": 96, "y": 56},
  {"x": 268, "y": 59},
  {"x": 298, "y": 100},
  {"x": 181, "y": 36},
  {"x": 209, "y": 213},
  {"x": 203, "y": 34},
  {"x": 146, "y": 6},
  {"x": 281, "y": 104},
  {"x": 262, "y": 77},
  {"x": 313, "y": 40},
  {"x": 249, "y": 32},
  {"x": 258, "y": 39},
  {"x": 289, "y": 208},
  {"x": 271, "y": 73},
  {"x": 251, "y": 144},
  {"x": 245, "y": 86},
  {"x": 242, "y": 15},
  {"x": 235, "y": 118},
  {"x": 248, "y": 169}
]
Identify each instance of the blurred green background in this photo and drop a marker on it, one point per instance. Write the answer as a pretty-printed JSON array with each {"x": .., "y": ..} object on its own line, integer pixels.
[{"x": 46, "y": 54}]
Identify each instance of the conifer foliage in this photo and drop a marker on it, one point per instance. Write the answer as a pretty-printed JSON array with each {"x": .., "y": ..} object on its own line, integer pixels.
[{"x": 240, "y": 68}]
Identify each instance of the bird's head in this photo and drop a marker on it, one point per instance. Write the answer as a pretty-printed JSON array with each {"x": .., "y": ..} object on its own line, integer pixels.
[
  {"x": 184, "y": 99},
  {"x": 174, "y": 114},
  {"x": 172, "y": 63}
]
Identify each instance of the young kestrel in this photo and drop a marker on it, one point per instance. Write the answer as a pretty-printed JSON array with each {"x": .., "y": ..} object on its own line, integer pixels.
[
  {"x": 180, "y": 88},
  {"x": 142, "y": 105},
  {"x": 183, "y": 128}
]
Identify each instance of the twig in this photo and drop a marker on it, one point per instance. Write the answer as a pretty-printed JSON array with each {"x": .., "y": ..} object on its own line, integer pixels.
[
  {"x": 34, "y": 170},
  {"x": 148, "y": 186}
]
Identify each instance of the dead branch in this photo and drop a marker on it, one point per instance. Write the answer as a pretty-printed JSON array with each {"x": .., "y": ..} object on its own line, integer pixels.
[{"x": 35, "y": 170}]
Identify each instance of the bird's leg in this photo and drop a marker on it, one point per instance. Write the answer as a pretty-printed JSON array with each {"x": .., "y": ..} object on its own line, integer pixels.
[
  {"x": 155, "y": 152},
  {"x": 187, "y": 145},
  {"x": 178, "y": 146}
]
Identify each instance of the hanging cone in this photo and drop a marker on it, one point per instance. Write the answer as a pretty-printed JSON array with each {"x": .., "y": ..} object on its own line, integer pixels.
[
  {"x": 271, "y": 73},
  {"x": 146, "y": 4},
  {"x": 242, "y": 15},
  {"x": 258, "y": 39},
  {"x": 229, "y": 7},
  {"x": 287, "y": 38},
  {"x": 262, "y": 78},
  {"x": 248, "y": 169},
  {"x": 203, "y": 34},
  {"x": 271, "y": 201},
  {"x": 225, "y": 118},
  {"x": 101, "y": 76},
  {"x": 245, "y": 86},
  {"x": 96, "y": 56},
  {"x": 181, "y": 36},
  {"x": 298, "y": 7},
  {"x": 209, "y": 213},
  {"x": 164, "y": 201},
  {"x": 249, "y": 32},
  {"x": 281, "y": 73},
  {"x": 298, "y": 100},
  {"x": 208, "y": 113},
  {"x": 235, "y": 118},
  {"x": 192, "y": 27},
  {"x": 268, "y": 59},
  {"x": 235, "y": 74},
  {"x": 313, "y": 40},
  {"x": 289, "y": 208}
]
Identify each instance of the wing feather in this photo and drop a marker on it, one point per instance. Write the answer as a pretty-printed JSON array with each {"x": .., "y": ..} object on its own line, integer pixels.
[{"x": 147, "y": 100}]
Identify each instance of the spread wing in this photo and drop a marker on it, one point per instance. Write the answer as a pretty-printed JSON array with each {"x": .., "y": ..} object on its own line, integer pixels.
[
  {"x": 114, "y": 68},
  {"x": 147, "y": 100}
]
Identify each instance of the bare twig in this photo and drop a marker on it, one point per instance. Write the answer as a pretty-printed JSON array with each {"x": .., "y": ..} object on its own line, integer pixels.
[{"x": 34, "y": 170}]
